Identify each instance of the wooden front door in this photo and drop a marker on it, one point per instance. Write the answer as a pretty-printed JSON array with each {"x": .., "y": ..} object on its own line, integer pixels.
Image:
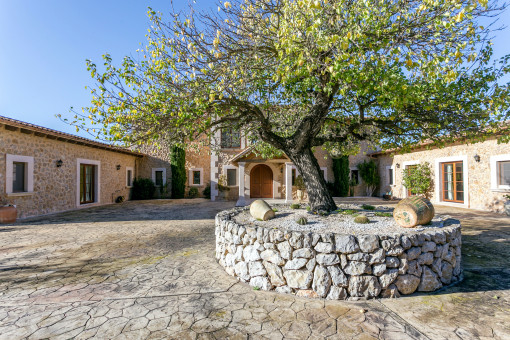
[
  {"x": 261, "y": 182},
  {"x": 453, "y": 182}
]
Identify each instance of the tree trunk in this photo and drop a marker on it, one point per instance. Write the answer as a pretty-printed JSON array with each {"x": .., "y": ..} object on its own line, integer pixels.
[{"x": 318, "y": 194}]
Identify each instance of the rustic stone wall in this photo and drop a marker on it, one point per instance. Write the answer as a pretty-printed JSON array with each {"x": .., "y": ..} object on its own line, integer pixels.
[
  {"x": 336, "y": 266},
  {"x": 481, "y": 196},
  {"x": 155, "y": 156},
  {"x": 55, "y": 188}
]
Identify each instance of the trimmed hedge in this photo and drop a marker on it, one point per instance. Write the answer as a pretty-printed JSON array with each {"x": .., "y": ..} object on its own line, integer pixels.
[{"x": 178, "y": 161}]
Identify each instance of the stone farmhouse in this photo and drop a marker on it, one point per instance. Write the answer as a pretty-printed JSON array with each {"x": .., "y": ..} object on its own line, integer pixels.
[
  {"x": 44, "y": 171},
  {"x": 475, "y": 176}
]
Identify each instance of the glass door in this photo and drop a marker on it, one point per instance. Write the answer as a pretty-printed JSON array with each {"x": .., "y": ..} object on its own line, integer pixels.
[
  {"x": 87, "y": 185},
  {"x": 453, "y": 182}
]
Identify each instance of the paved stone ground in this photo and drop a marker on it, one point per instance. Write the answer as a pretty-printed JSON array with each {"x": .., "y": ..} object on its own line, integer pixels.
[{"x": 146, "y": 270}]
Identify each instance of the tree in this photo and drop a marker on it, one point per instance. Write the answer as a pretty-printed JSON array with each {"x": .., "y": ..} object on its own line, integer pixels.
[
  {"x": 370, "y": 175},
  {"x": 299, "y": 74},
  {"x": 341, "y": 173},
  {"x": 418, "y": 179},
  {"x": 178, "y": 165}
]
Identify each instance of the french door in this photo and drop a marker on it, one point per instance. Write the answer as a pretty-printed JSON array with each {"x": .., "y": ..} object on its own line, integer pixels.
[
  {"x": 87, "y": 183},
  {"x": 453, "y": 182}
]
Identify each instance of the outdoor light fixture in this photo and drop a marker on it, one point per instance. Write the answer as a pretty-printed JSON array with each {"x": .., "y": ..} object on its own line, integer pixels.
[
  {"x": 398, "y": 165},
  {"x": 118, "y": 167},
  {"x": 59, "y": 163},
  {"x": 477, "y": 158}
]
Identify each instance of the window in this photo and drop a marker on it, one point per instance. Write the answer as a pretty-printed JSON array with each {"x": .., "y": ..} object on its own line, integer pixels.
[
  {"x": 129, "y": 177},
  {"x": 19, "y": 175},
  {"x": 230, "y": 138},
  {"x": 159, "y": 176},
  {"x": 500, "y": 172},
  {"x": 195, "y": 177},
  {"x": 88, "y": 181},
  {"x": 390, "y": 176},
  {"x": 231, "y": 177},
  {"x": 294, "y": 176},
  {"x": 355, "y": 176},
  {"x": 503, "y": 173}
]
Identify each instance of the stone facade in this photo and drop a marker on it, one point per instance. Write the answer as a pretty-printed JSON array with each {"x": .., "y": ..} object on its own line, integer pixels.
[
  {"x": 51, "y": 186},
  {"x": 480, "y": 185},
  {"x": 337, "y": 266}
]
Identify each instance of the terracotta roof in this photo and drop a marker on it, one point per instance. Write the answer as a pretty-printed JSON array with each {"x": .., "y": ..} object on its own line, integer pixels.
[{"x": 28, "y": 128}]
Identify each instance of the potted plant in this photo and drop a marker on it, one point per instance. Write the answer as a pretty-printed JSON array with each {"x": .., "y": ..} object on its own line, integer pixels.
[
  {"x": 223, "y": 189},
  {"x": 8, "y": 212},
  {"x": 299, "y": 183},
  {"x": 506, "y": 205}
]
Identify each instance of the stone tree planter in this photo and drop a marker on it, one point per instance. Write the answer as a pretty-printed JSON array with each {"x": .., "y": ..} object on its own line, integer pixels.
[{"x": 339, "y": 266}]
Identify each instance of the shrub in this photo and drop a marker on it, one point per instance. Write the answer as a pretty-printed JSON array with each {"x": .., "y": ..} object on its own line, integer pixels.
[
  {"x": 369, "y": 175},
  {"x": 295, "y": 206},
  {"x": 302, "y": 220},
  {"x": 331, "y": 188},
  {"x": 207, "y": 192},
  {"x": 418, "y": 179},
  {"x": 362, "y": 219},
  {"x": 368, "y": 207},
  {"x": 193, "y": 192},
  {"x": 341, "y": 174},
  {"x": 383, "y": 214},
  {"x": 178, "y": 161},
  {"x": 143, "y": 189}
]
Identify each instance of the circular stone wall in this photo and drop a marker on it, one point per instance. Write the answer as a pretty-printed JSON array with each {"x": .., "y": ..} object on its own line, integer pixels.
[{"x": 339, "y": 266}]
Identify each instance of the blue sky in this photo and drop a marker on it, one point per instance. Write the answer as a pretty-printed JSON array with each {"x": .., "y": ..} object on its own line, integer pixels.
[{"x": 44, "y": 44}]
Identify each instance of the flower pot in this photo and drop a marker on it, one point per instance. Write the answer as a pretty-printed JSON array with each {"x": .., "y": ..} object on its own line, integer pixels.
[
  {"x": 8, "y": 214},
  {"x": 507, "y": 207}
]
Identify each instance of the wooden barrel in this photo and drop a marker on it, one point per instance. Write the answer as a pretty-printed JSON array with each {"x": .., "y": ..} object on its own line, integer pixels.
[
  {"x": 8, "y": 214},
  {"x": 261, "y": 210},
  {"x": 413, "y": 211}
]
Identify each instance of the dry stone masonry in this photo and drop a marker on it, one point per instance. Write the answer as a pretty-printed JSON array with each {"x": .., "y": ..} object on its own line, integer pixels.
[{"x": 337, "y": 266}]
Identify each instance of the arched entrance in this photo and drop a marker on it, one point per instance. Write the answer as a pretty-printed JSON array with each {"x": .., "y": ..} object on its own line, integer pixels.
[{"x": 261, "y": 182}]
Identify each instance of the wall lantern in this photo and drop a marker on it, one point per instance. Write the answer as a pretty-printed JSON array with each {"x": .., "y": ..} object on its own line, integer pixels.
[
  {"x": 118, "y": 167},
  {"x": 398, "y": 165},
  {"x": 477, "y": 158},
  {"x": 59, "y": 163}
]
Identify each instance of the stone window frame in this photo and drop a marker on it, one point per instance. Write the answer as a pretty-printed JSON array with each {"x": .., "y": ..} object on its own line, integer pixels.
[
  {"x": 29, "y": 174},
  {"x": 97, "y": 182},
  {"x": 190, "y": 177},
  {"x": 390, "y": 167},
  {"x": 438, "y": 184},
  {"x": 132, "y": 169},
  {"x": 231, "y": 167},
  {"x": 153, "y": 175},
  {"x": 494, "y": 168}
]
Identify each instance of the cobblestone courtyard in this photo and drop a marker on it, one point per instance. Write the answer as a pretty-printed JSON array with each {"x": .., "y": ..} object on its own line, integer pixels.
[{"x": 146, "y": 270}]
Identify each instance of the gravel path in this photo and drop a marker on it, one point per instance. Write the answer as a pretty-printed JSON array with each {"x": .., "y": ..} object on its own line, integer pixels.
[{"x": 340, "y": 221}]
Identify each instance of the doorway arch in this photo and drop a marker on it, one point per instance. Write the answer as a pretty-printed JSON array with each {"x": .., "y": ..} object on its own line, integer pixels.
[{"x": 261, "y": 182}]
